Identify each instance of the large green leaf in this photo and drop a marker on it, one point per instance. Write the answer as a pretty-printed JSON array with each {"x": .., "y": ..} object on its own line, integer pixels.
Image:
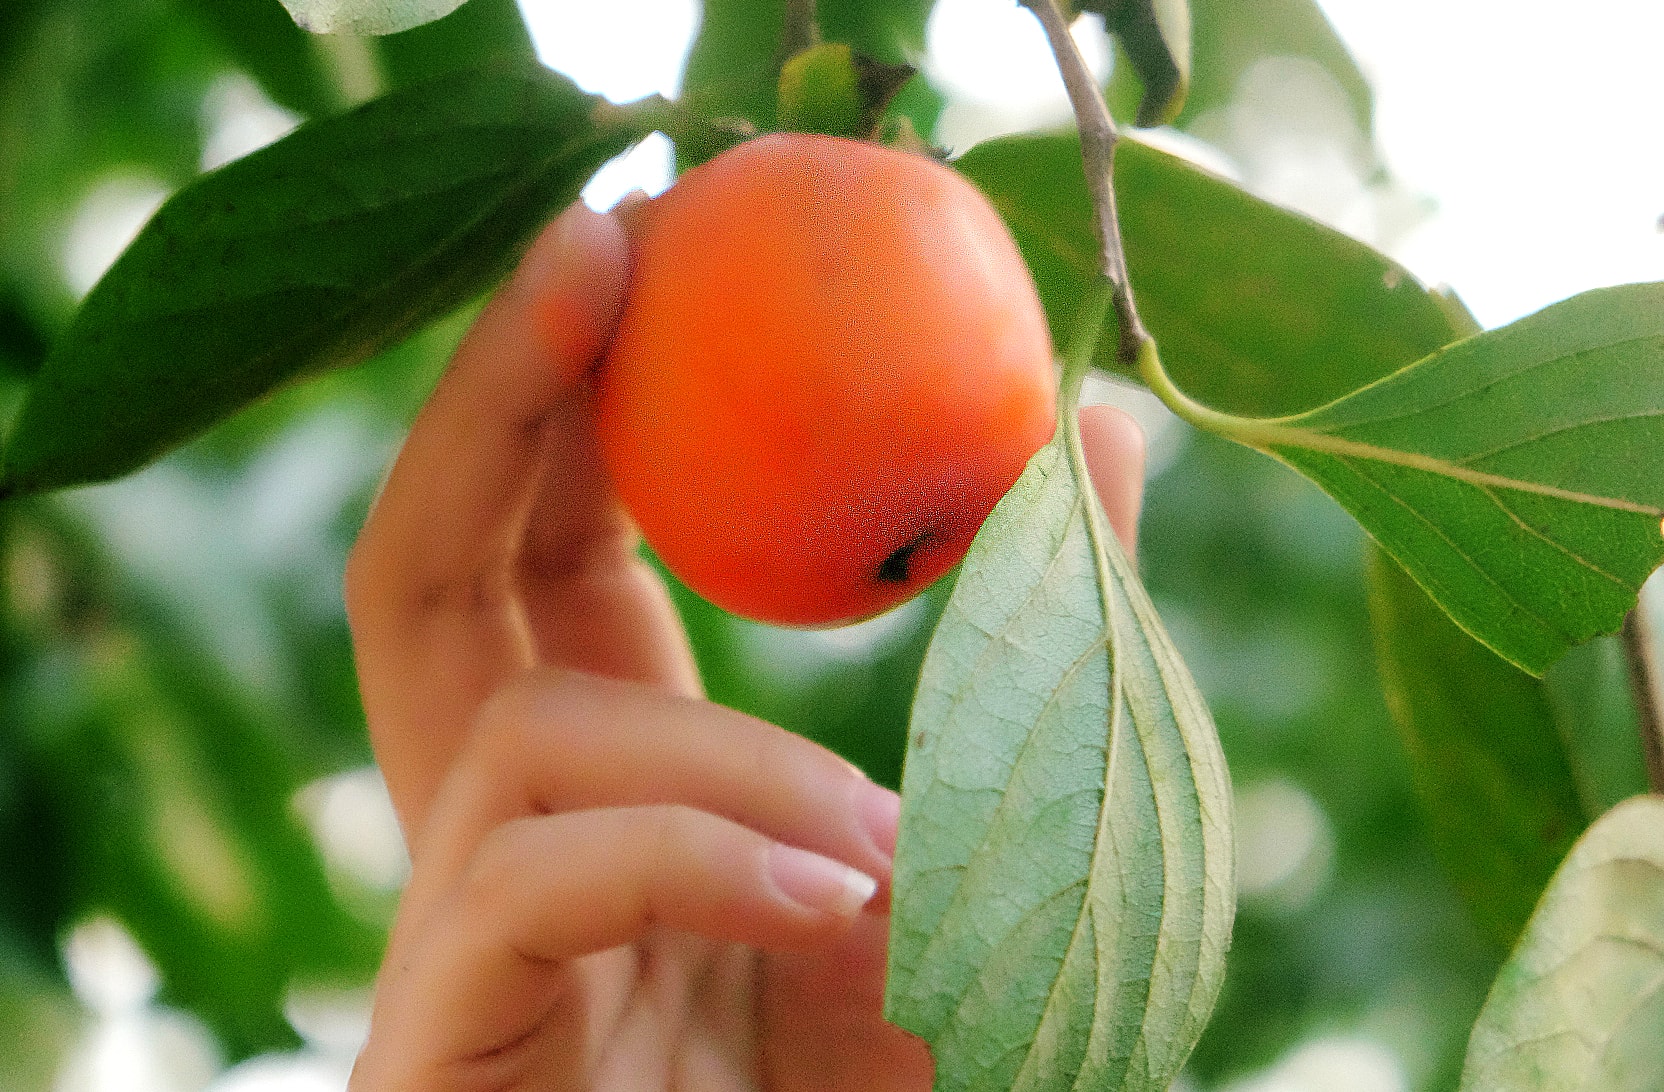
[
  {"x": 1486, "y": 750},
  {"x": 1513, "y": 474},
  {"x": 1064, "y": 884},
  {"x": 312, "y": 253},
  {"x": 1258, "y": 310},
  {"x": 1580, "y": 1004}
]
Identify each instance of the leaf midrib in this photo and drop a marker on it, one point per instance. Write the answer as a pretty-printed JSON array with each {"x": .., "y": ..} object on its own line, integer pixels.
[
  {"x": 1090, "y": 517},
  {"x": 1269, "y": 436},
  {"x": 1491, "y": 382}
]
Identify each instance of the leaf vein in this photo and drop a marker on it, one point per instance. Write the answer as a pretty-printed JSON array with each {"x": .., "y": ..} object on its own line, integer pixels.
[
  {"x": 1527, "y": 528},
  {"x": 1454, "y": 546},
  {"x": 1468, "y": 460},
  {"x": 1494, "y": 381}
]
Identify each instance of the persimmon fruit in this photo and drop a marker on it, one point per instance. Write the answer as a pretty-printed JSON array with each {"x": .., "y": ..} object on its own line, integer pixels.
[{"x": 831, "y": 364}]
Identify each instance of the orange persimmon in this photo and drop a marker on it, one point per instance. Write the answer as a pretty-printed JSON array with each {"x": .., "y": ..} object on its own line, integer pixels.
[{"x": 832, "y": 363}]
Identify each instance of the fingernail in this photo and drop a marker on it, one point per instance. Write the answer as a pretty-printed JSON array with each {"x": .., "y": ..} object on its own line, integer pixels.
[
  {"x": 555, "y": 249},
  {"x": 819, "y": 883},
  {"x": 852, "y": 767},
  {"x": 573, "y": 278},
  {"x": 880, "y": 813}
]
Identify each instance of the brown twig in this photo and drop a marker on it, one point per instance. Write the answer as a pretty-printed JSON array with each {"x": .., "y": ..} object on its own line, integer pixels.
[
  {"x": 1098, "y": 137},
  {"x": 801, "y": 30},
  {"x": 1643, "y": 684}
]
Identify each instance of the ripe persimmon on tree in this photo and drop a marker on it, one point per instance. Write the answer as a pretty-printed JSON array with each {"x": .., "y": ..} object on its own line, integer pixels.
[{"x": 831, "y": 339}]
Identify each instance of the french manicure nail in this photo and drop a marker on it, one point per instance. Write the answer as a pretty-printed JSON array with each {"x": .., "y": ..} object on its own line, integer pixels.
[{"x": 819, "y": 883}]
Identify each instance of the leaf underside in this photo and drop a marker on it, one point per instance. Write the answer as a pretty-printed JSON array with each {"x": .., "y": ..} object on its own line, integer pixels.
[
  {"x": 1580, "y": 1004},
  {"x": 1064, "y": 886},
  {"x": 366, "y": 16},
  {"x": 313, "y": 253},
  {"x": 1513, "y": 474}
]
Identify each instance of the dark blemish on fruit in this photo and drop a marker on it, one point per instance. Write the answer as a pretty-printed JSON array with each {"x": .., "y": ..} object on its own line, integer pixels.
[
  {"x": 918, "y": 740},
  {"x": 894, "y": 569}
]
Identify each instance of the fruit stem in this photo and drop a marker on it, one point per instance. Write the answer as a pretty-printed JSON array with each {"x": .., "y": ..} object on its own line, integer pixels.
[
  {"x": 1098, "y": 136},
  {"x": 1643, "y": 682},
  {"x": 801, "y": 29}
]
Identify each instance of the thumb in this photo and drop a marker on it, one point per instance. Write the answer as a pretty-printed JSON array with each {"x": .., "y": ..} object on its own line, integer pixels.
[{"x": 1114, "y": 448}]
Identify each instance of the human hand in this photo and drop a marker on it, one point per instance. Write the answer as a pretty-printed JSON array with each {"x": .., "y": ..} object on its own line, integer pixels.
[{"x": 617, "y": 886}]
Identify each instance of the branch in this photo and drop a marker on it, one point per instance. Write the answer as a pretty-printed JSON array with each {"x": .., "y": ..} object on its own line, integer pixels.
[
  {"x": 1098, "y": 136},
  {"x": 1643, "y": 683},
  {"x": 801, "y": 29}
]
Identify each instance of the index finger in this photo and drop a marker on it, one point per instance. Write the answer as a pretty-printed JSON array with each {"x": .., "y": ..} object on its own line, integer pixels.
[{"x": 433, "y": 583}]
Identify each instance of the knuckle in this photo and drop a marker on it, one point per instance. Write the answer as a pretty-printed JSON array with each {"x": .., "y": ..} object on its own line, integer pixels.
[
  {"x": 782, "y": 757},
  {"x": 488, "y": 883},
  {"x": 499, "y": 730},
  {"x": 679, "y": 833},
  {"x": 534, "y": 714}
]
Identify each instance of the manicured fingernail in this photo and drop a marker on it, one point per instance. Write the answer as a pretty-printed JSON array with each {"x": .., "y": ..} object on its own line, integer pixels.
[
  {"x": 819, "y": 883},
  {"x": 880, "y": 812}
]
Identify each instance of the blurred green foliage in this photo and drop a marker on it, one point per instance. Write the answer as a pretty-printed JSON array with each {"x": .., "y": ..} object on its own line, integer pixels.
[{"x": 175, "y": 666}]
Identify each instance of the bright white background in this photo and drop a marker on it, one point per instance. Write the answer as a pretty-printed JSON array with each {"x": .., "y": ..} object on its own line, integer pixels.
[{"x": 1523, "y": 144}]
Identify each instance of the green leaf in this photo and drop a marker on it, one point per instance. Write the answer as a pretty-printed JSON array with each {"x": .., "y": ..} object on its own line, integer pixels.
[
  {"x": 1063, "y": 886},
  {"x": 479, "y": 33},
  {"x": 1155, "y": 35},
  {"x": 1514, "y": 474},
  {"x": 1590, "y": 688},
  {"x": 366, "y": 16},
  {"x": 313, "y": 253},
  {"x": 285, "y": 60},
  {"x": 1486, "y": 751},
  {"x": 1258, "y": 310},
  {"x": 1580, "y": 1004}
]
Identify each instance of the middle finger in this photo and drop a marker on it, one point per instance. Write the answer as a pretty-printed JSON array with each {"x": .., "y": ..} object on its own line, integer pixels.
[{"x": 563, "y": 741}]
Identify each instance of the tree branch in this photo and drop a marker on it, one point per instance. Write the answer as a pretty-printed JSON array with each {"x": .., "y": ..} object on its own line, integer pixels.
[
  {"x": 1643, "y": 683},
  {"x": 1098, "y": 136},
  {"x": 801, "y": 30}
]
